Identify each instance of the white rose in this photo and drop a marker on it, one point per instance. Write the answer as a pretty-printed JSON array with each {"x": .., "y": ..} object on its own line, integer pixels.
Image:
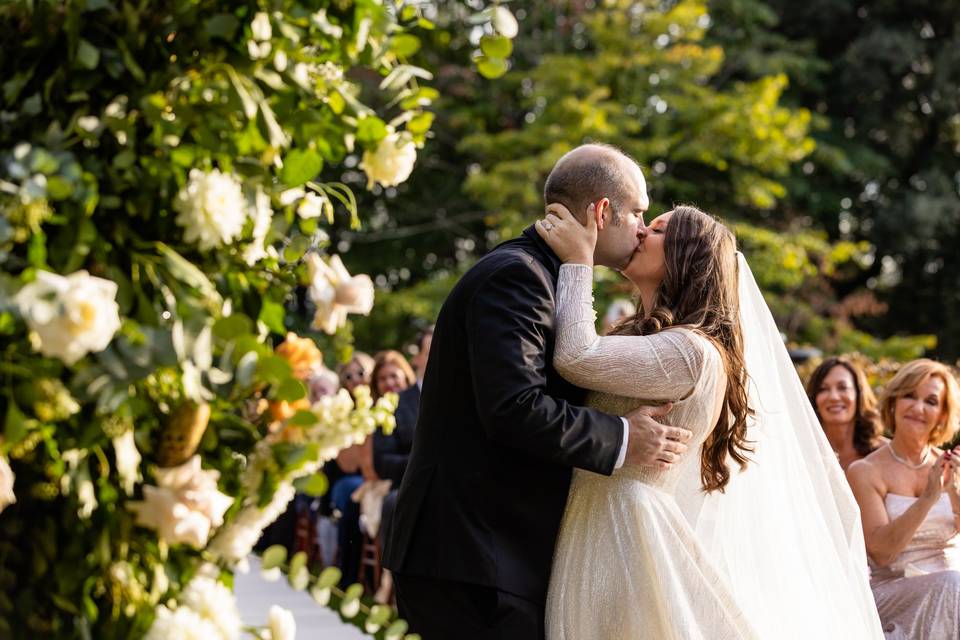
[
  {"x": 214, "y": 602},
  {"x": 128, "y": 460},
  {"x": 7, "y": 497},
  {"x": 182, "y": 623},
  {"x": 505, "y": 23},
  {"x": 211, "y": 208},
  {"x": 336, "y": 293},
  {"x": 313, "y": 205},
  {"x": 260, "y": 27},
  {"x": 185, "y": 506},
  {"x": 391, "y": 163},
  {"x": 281, "y": 624},
  {"x": 72, "y": 315}
]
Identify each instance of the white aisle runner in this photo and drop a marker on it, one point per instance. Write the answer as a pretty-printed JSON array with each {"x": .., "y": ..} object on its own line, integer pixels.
[{"x": 255, "y": 596}]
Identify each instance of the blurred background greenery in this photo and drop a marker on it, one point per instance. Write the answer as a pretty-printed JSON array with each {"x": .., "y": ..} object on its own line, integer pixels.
[{"x": 826, "y": 131}]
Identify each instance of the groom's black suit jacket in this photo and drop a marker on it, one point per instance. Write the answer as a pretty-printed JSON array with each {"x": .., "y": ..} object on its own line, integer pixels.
[{"x": 498, "y": 432}]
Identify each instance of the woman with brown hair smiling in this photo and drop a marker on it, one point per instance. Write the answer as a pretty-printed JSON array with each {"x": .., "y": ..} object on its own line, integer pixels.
[{"x": 846, "y": 407}]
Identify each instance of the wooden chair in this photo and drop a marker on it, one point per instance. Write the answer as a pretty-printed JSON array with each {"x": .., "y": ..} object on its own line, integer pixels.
[{"x": 370, "y": 567}]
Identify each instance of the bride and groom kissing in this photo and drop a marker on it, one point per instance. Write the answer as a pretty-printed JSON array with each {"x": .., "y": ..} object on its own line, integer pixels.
[{"x": 667, "y": 480}]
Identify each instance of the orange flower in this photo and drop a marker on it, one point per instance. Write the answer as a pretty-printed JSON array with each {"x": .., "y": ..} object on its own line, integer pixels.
[
  {"x": 281, "y": 410},
  {"x": 302, "y": 354}
]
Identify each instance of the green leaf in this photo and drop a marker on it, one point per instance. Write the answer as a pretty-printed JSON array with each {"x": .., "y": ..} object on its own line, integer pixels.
[
  {"x": 329, "y": 577},
  {"x": 303, "y": 418},
  {"x": 88, "y": 56},
  {"x": 37, "y": 249},
  {"x": 272, "y": 314},
  {"x": 353, "y": 592},
  {"x": 183, "y": 156},
  {"x": 420, "y": 124},
  {"x": 405, "y": 44},
  {"x": 7, "y": 323},
  {"x": 273, "y": 369},
  {"x": 336, "y": 102},
  {"x": 291, "y": 390},
  {"x": 300, "y": 578},
  {"x": 299, "y": 166},
  {"x": 491, "y": 68},
  {"x": 298, "y": 562},
  {"x": 379, "y": 614},
  {"x": 188, "y": 273},
  {"x": 299, "y": 245},
  {"x": 371, "y": 130},
  {"x": 135, "y": 69},
  {"x": 314, "y": 485},
  {"x": 232, "y": 327},
  {"x": 397, "y": 629},
  {"x": 496, "y": 46},
  {"x": 15, "y": 424},
  {"x": 222, "y": 25},
  {"x": 59, "y": 188},
  {"x": 274, "y": 556}
]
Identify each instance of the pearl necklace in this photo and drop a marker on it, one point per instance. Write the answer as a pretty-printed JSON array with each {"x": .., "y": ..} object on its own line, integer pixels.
[{"x": 907, "y": 463}]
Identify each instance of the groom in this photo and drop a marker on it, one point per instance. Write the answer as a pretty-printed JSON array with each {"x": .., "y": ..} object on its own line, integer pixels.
[{"x": 499, "y": 431}]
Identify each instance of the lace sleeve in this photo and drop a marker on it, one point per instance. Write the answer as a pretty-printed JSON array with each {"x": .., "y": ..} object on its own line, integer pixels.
[{"x": 663, "y": 366}]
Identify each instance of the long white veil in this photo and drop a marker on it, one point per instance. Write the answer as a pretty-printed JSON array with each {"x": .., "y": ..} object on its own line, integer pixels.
[{"x": 787, "y": 530}]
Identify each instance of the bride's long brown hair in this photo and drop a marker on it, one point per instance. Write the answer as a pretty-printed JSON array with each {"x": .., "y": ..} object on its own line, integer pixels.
[{"x": 699, "y": 291}]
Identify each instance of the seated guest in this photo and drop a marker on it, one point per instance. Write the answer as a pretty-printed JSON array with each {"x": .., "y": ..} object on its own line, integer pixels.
[
  {"x": 345, "y": 476},
  {"x": 391, "y": 373},
  {"x": 322, "y": 382},
  {"x": 846, "y": 407},
  {"x": 391, "y": 453},
  {"x": 356, "y": 371},
  {"x": 909, "y": 496}
]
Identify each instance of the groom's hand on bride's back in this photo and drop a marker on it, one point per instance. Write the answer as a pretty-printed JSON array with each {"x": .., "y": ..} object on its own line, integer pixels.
[{"x": 652, "y": 444}]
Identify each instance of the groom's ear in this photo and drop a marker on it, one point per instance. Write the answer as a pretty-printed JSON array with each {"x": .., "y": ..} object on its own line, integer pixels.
[{"x": 601, "y": 212}]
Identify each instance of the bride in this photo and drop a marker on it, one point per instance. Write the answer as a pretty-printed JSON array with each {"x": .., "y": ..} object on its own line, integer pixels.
[{"x": 754, "y": 534}]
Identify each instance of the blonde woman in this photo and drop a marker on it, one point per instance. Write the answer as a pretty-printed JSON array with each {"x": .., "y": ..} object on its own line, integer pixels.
[{"x": 909, "y": 496}]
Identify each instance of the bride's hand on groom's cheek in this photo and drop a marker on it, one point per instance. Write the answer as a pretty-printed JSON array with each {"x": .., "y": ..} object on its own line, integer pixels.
[{"x": 570, "y": 240}]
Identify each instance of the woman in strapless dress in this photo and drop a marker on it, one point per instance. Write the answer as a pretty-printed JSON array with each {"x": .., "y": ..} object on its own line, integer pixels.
[{"x": 909, "y": 496}]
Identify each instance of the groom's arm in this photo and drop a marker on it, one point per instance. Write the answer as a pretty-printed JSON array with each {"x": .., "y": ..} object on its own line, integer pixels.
[{"x": 508, "y": 320}]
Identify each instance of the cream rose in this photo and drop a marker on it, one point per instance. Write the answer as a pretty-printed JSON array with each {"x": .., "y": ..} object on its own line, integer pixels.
[
  {"x": 70, "y": 315},
  {"x": 336, "y": 293},
  {"x": 185, "y": 506},
  {"x": 211, "y": 208},
  {"x": 392, "y": 162},
  {"x": 7, "y": 478},
  {"x": 182, "y": 623},
  {"x": 213, "y": 601}
]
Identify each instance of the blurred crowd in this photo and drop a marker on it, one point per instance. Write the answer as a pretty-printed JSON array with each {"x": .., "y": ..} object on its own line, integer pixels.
[{"x": 344, "y": 526}]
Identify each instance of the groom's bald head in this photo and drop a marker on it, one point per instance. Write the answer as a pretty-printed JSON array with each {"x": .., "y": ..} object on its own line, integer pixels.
[{"x": 589, "y": 173}]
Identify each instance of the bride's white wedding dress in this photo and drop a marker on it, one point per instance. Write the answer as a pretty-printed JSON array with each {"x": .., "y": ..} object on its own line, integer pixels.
[{"x": 642, "y": 553}]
